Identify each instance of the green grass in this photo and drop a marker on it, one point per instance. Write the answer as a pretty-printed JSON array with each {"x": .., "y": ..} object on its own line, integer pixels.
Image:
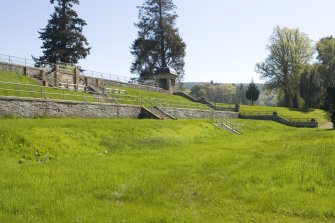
[
  {"x": 154, "y": 98},
  {"x": 321, "y": 115},
  {"x": 35, "y": 91},
  {"x": 122, "y": 170}
]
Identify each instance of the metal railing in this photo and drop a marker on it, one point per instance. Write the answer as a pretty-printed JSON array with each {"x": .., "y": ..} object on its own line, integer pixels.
[
  {"x": 152, "y": 102},
  {"x": 274, "y": 114},
  {"x": 68, "y": 68},
  {"x": 60, "y": 93},
  {"x": 44, "y": 92}
]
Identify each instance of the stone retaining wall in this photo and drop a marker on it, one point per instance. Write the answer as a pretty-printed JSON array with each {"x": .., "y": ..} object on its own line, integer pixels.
[
  {"x": 40, "y": 74},
  {"x": 30, "y": 108},
  {"x": 181, "y": 113},
  {"x": 102, "y": 82},
  {"x": 275, "y": 118}
]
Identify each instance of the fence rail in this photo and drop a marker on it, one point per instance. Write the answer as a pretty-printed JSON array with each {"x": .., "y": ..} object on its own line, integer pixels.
[
  {"x": 69, "y": 68},
  {"x": 60, "y": 93},
  {"x": 287, "y": 118}
]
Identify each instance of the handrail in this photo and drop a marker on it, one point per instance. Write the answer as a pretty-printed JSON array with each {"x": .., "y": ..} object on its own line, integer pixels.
[
  {"x": 88, "y": 73},
  {"x": 275, "y": 114},
  {"x": 44, "y": 92}
]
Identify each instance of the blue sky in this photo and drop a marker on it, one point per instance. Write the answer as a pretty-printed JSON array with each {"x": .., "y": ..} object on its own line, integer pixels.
[{"x": 225, "y": 39}]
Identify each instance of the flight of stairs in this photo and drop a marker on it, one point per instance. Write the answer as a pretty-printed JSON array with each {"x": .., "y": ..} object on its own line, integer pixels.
[{"x": 157, "y": 113}]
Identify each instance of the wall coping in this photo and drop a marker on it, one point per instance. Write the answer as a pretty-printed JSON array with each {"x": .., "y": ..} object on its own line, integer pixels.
[
  {"x": 192, "y": 109},
  {"x": 12, "y": 98}
]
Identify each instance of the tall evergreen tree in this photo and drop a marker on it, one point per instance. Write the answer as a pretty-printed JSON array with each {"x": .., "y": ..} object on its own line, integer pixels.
[
  {"x": 252, "y": 92},
  {"x": 62, "y": 37},
  {"x": 158, "y": 44}
]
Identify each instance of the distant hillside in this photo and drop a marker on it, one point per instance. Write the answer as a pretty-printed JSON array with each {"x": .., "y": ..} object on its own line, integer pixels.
[{"x": 189, "y": 85}]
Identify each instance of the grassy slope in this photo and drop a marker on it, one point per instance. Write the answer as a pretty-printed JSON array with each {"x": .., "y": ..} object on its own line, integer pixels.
[
  {"x": 49, "y": 92},
  {"x": 164, "y": 171},
  {"x": 150, "y": 94},
  {"x": 321, "y": 115}
]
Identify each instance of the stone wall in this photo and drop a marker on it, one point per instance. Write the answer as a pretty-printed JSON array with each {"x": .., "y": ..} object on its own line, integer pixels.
[
  {"x": 276, "y": 118},
  {"x": 102, "y": 82},
  {"x": 30, "y": 108},
  {"x": 42, "y": 76},
  {"x": 180, "y": 113},
  {"x": 28, "y": 71}
]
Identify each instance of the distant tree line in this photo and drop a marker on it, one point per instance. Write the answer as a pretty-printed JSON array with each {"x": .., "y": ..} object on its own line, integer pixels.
[{"x": 234, "y": 93}]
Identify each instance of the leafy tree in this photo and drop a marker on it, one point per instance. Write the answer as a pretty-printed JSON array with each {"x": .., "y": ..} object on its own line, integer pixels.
[
  {"x": 198, "y": 91},
  {"x": 326, "y": 56},
  {"x": 252, "y": 92},
  {"x": 310, "y": 86},
  {"x": 240, "y": 94},
  {"x": 62, "y": 37},
  {"x": 158, "y": 43},
  {"x": 290, "y": 51}
]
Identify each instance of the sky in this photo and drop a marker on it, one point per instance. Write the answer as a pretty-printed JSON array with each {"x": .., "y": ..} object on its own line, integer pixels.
[{"x": 225, "y": 39}]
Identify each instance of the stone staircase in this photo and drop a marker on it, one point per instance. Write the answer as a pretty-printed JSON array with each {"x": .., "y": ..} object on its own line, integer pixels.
[
  {"x": 273, "y": 116},
  {"x": 100, "y": 95},
  {"x": 156, "y": 113},
  {"x": 206, "y": 102}
]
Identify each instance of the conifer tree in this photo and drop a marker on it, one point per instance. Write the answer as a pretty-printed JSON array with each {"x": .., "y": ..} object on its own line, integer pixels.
[
  {"x": 62, "y": 38},
  {"x": 158, "y": 44},
  {"x": 252, "y": 92}
]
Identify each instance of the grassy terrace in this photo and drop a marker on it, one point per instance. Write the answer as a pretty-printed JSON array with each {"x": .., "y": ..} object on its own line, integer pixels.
[
  {"x": 154, "y": 98},
  {"x": 321, "y": 115},
  {"x": 25, "y": 90},
  {"x": 122, "y": 170},
  {"x": 133, "y": 96}
]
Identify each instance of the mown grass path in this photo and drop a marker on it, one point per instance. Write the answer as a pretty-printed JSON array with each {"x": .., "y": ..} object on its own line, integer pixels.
[{"x": 121, "y": 170}]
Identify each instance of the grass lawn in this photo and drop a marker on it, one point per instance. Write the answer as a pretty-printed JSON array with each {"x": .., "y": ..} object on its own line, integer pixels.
[
  {"x": 123, "y": 170},
  {"x": 321, "y": 115},
  {"x": 35, "y": 91},
  {"x": 154, "y": 98}
]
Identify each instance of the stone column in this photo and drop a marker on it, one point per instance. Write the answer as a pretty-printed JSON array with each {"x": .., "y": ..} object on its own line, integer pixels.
[
  {"x": 26, "y": 71},
  {"x": 43, "y": 78},
  {"x": 56, "y": 75},
  {"x": 76, "y": 77}
]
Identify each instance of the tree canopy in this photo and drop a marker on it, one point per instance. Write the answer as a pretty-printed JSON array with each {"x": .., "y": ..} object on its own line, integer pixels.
[
  {"x": 289, "y": 53},
  {"x": 252, "y": 92},
  {"x": 62, "y": 38},
  {"x": 158, "y": 44}
]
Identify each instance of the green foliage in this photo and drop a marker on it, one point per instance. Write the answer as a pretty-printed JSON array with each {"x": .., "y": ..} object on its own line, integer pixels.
[
  {"x": 289, "y": 52},
  {"x": 102, "y": 170},
  {"x": 252, "y": 92},
  {"x": 326, "y": 56},
  {"x": 224, "y": 93},
  {"x": 158, "y": 44},
  {"x": 311, "y": 87},
  {"x": 62, "y": 38}
]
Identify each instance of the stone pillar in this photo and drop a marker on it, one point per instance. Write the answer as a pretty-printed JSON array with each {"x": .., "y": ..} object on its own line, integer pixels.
[
  {"x": 56, "y": 74},
  {"x": 26, "y": 71},
  {"x": 76, "y": 77},
  {"x": 168, "y": 80},
  {"x": 43, "y": 78}
]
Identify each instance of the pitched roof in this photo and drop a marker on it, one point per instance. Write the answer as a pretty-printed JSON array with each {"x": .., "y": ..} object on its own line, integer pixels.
[{"x": 166, "y": 70}]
